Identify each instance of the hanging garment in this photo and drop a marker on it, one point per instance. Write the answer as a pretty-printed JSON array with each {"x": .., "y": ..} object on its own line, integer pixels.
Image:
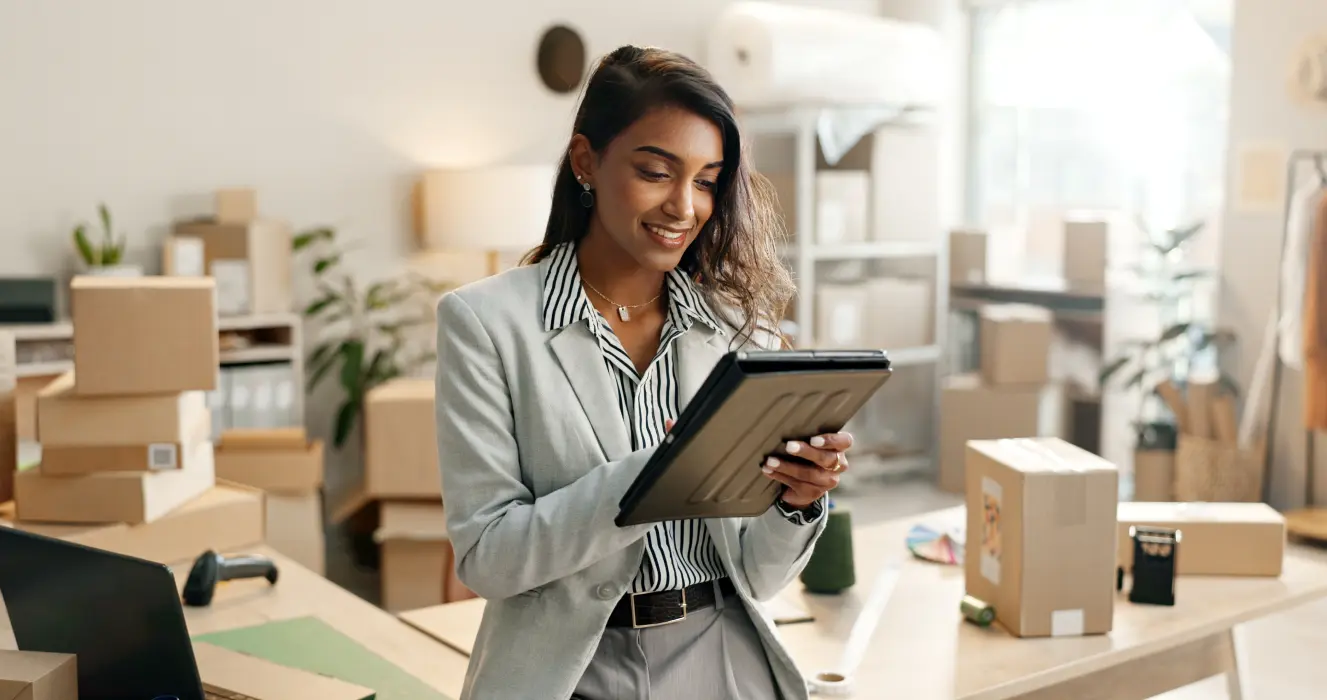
[
  {"x": 1294, "y": 260},
  {"x": 1315, "y": 322}
]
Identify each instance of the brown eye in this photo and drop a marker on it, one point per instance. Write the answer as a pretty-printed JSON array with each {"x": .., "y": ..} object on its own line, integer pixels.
[
  {"x": 707, "y": 185},
  {"x": 651, "y": 175}
]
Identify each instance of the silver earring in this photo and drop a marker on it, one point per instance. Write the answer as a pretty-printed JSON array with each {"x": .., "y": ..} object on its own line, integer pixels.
[{"x": 587, "y": 196}]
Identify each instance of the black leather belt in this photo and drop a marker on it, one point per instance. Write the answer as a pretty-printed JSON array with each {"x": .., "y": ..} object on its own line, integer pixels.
[{"x": 639, "y": 610}]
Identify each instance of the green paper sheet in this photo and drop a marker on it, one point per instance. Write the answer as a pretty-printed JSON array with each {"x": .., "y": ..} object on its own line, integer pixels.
[{"x": 309, "y": 644}]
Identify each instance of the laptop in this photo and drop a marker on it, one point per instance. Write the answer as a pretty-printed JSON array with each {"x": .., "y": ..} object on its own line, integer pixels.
[{"x": 120, "y": 616}]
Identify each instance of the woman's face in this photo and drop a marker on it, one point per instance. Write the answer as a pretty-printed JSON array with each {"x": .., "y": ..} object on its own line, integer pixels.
[{"x": 654, "y": 185}]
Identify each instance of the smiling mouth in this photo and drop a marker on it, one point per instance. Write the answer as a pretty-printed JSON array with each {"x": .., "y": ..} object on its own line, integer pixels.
[{"x": 666, "y": 233}]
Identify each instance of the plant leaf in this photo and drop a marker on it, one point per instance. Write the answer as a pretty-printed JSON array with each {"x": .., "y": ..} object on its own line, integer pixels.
[
  {"x": 85, "y": 249},
  {"x": 320, "y": 369},
  {"x": 1136, "y": 379},
  {"x": 105, "y": 215},
  {"x": 324, "y": 264},
  {"x": 352, "y": 368},
  {"x": 1115, "y": 366},
  {"x": 307, "y": 238},
  {"x": 320, "y": 353},
  {"x": 1175, "y": 331},
  {"x": 1180, "y": 235},
  {"x": 317, "y": 306},
  {"x": 345, "y": 420},
  {"x": 1191, "y": 275}
]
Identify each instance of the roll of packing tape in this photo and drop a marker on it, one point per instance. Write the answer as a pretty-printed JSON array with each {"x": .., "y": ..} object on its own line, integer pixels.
[{"x": 830, "y": 684}]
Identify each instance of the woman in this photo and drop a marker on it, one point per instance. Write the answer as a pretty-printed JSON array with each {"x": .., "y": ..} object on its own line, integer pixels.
[{"x": 557, "y": 379}]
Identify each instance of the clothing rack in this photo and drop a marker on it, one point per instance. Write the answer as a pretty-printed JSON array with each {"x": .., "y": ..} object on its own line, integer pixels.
[{"x": 1293, "y": 163}]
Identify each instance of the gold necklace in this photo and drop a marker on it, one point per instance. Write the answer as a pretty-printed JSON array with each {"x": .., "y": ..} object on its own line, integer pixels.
[{"x": 622, "y": 310}]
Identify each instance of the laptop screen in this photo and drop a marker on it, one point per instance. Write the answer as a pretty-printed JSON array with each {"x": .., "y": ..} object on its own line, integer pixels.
[{"x": 120, "y": 616}]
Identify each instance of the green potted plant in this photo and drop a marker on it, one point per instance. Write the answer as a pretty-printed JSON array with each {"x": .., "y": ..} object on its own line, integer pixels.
[
  {"x": 104, "y": 256},
  {"x": 370, "y": 333},
  {"x": 1186, "y": 346}
]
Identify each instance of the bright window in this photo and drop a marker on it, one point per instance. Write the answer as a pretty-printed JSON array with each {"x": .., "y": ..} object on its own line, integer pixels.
[{"x": 1099, "y": 104}]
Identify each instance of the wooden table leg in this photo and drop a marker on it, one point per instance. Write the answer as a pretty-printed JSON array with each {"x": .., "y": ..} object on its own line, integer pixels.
[{"x": 1236, "y": 655}]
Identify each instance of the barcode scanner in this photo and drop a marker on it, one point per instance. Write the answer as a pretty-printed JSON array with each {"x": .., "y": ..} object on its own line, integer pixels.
[{"x": 212, "y": 568}]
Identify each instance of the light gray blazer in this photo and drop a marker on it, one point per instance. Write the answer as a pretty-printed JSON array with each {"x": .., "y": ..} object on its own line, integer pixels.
[{"x": 535, "y": 459}]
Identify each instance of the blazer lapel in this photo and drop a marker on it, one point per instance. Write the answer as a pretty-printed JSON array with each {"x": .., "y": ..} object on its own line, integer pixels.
[
  {"x": 578, "y": 353},
  {"x": 698, "y": 350}
]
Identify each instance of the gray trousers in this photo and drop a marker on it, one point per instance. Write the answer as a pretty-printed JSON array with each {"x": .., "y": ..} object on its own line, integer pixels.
[{"x": 713, "y": 653}]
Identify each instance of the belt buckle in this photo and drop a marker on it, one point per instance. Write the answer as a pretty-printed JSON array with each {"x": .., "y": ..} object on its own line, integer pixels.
[{"x": 636, "y": 625}]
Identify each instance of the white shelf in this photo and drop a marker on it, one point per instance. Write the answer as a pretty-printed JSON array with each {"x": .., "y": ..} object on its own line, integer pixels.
[
  {"x": 260, "y": 353},
  {"x": 42, "y": 369}
]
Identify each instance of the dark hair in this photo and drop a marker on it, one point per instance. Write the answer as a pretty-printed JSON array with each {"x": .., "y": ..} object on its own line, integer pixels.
[{"x": 735, "y": 258}]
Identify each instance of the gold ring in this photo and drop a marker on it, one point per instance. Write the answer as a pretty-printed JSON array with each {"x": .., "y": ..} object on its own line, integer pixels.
[{"x": 838, "y": 465}]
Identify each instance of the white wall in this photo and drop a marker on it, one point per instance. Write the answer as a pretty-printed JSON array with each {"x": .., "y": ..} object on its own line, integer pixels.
[
  {"x": 1261, "y": 112},
  {"x": 330, "y": 108}
]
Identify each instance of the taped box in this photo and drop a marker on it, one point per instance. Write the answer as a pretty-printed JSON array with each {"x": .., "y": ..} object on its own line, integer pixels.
[{"x": 1041, "y": 524}]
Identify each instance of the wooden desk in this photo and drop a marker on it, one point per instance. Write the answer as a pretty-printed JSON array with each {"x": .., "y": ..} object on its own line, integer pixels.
[
  {"x": 923, "y": 649},
  {"x": 299, "y": 592}
]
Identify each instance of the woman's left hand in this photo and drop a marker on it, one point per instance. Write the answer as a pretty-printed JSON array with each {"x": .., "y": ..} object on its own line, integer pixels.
[{"x": 809, "y": 469}]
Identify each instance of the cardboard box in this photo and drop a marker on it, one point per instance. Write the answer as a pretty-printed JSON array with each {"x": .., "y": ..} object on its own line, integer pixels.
[
  {"x": 970, "y": 410},
  {"x": 1216, "y": 539},
  {"x": 1015, "y": 344},
  {"x": 843, "y": 211},
  {"x": 66, "y": 418},
  {"x": 58, "y": 460},
  {"x": 227, "y": 518},
  {"x": 144, "y": 335},
  {"x": 1086, "y": 251},
  {"x": 1041, "y": 523},
  {"x": 8, "y": 415},
  {"x": 841, "y": 316},
  {"x": 418, "y": 565},
  {"x": 236, "y": 205},
  {"x": 274, "y": 470},
  {"x": 34, "y": 675},
  {"x": 401, "y": 448},
  {"x": 898, "y": 313},
  {"x": 232, "y": 671},
  {"x": 1154, "y": 475},
  {"x": 295, "y": 528},
  {"x": 967, "y": 256},
  {"x": 251, "y": 262},
  {"x": 114, "y": 497}
]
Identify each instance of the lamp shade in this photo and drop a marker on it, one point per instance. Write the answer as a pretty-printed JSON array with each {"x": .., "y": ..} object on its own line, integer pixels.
[{"x": 500, "y": 208}]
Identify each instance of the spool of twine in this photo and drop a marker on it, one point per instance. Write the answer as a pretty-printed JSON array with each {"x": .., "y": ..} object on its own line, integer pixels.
[{"x": 830, "y": 568}]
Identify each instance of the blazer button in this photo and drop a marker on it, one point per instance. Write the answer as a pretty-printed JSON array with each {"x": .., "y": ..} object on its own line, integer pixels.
[{"x": 605, "y": 591}]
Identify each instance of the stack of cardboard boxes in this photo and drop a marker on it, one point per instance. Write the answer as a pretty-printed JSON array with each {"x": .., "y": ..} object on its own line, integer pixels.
[
  {"x": 288, "y": 467},
  {"x": 402, "y": 478},
  {"x": 1011, "y": 396},
  {"x": 125, "y": 435}
]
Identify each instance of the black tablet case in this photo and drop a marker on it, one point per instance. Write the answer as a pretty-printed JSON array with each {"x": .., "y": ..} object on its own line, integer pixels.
[{"x": 708, "y": 466}]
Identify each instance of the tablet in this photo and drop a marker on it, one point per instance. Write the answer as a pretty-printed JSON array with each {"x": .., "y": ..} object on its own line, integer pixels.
[{"x": 708, "y": 465}]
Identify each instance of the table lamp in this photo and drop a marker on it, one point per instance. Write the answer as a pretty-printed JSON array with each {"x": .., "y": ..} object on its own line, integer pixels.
[{"x": 494, "y": 210}]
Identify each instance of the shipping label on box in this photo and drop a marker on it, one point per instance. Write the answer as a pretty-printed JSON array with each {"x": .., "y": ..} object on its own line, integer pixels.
[{"x": 1041, "y": 539}]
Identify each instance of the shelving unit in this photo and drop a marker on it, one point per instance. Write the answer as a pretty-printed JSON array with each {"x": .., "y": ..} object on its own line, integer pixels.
[
  {"x": 47, "y": 349},
  {"x": 802, "y": 122}
]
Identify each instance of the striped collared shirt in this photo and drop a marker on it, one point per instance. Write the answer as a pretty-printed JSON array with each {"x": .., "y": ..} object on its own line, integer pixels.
[{"x": 678, "y": 553}]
